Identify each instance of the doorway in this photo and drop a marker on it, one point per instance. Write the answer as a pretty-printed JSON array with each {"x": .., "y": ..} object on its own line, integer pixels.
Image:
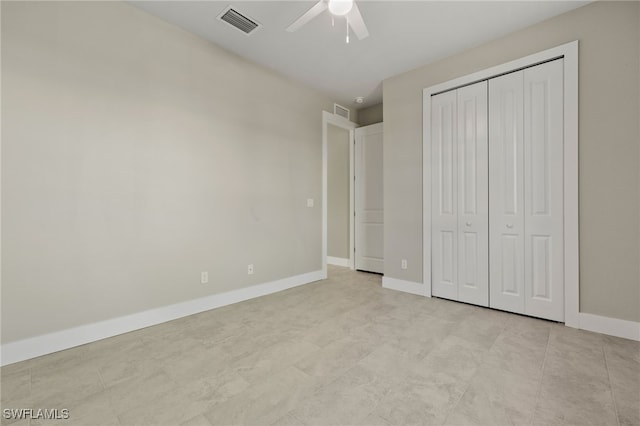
[
  {"x": 352, "y": 181},
  {"x": 337, "y": 191},
  {"x": 339, "y": 226},
  {"x": 564, "y": 226}
]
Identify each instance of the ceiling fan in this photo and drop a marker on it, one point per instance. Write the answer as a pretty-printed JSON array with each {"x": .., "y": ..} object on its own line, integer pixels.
[{"x": 346, "y": 8}]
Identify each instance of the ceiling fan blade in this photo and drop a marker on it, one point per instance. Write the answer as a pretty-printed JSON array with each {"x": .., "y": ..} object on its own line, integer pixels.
[
  {"x": 316, "y": 10},
  {"x": 357, "y": 23}
]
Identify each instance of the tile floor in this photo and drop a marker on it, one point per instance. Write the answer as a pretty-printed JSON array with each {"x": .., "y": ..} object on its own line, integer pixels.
[{"x": 340, "y": 351}]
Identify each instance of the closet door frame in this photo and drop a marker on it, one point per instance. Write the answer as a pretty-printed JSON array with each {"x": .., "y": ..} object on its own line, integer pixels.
[{"x": 569, "y": 52}]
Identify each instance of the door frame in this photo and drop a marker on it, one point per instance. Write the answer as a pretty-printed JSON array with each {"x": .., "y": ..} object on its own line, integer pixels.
[
  {"x": 338, "y": 121},
  {"x": 569, "y": 52}
]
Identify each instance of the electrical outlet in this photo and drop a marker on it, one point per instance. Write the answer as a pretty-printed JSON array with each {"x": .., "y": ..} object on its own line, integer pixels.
[
  {"x": 204, "y": 277},
  {"x": 403, "y": 263},
  {"x": 250, "y": 269}
]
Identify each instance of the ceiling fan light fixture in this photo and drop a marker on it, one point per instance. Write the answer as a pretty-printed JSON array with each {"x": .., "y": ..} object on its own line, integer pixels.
[{"x": 340, "y": 7}]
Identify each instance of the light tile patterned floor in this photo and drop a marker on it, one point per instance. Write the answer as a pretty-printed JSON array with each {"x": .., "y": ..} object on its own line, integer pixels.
[{"x": 340, "y": 351}]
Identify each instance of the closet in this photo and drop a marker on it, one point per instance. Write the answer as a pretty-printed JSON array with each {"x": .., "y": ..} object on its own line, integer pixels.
[{"x": 497, "y": 192}]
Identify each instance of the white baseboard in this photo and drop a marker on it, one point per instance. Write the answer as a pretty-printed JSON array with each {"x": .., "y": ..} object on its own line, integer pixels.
[
  {"x": 69, "y": 338},
  {"x": 65, "y": 339},
  {"x": 596, "y": 323},
  {"x": 611, "y": 326},
  {"x": 338, "y": 261},
  {"x": 405, "y": 286}
]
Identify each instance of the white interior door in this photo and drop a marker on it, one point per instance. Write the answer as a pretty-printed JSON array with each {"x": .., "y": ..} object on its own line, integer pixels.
[
  {"x": 543, "y": 191},
  {"x": 460, "y": 229},
  {"x": 444, "y": 203},
  {"x": 526, "y": 191},
  {"x": 369, "y": 199},
  {"x": 506, "y": 197},
  {"x": 473, "y": 195}
]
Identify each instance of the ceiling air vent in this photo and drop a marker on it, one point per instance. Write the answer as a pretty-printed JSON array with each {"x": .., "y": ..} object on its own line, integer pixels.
[
  {"x": 238, "y": 20},
  {"x": 341, "y": 111}
]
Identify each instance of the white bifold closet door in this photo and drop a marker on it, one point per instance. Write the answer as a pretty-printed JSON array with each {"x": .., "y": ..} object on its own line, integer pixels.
[
  {"x": 460, "y": 197},
  {"x": 526, "y": 191}
]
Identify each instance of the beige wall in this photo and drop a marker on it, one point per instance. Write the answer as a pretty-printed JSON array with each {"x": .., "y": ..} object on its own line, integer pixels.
[
  {"x": 609, "y": 157},
  {"x": 135, "y": 156},
  {"x": 370, "y": 115},
  {"x": 337, "y": 192}
]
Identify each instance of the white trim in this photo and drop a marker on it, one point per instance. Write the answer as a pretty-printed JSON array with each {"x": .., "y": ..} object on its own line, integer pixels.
[
  {"x": 325, "y": 153},
  {"x": 611, "y": 326},
  {"x": 426, "y": 190},
  {"x": 527, "y": 61},
  {"x": 571, "y": 216},
  {"x": 352, "y": 199},
  {"x": 339, "y": 261},
  {"x": 589, "y": 322},
  {"x": 65, "y": 339},
  {"x": 336, "y": 120},
  {"x": 405, "y": 286},
  {"x": 571, "y": 252}
]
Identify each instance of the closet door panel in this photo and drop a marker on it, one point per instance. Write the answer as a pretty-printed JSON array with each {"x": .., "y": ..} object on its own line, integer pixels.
[
  {"x": 473, "y": 202},
  {"x": 444, "y": 215},
  {"x": 506, "y": 193},
  {"x": 543, "y": 176}
]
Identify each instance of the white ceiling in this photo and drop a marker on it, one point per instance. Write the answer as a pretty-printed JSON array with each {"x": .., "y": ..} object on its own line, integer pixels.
[{"x": 404, "y": 35}]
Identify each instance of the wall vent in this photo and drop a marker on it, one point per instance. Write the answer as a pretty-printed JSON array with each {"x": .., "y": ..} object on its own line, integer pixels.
[
  {"x": 239, "y": 21},
  {"x": 341, "y": 111}
]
